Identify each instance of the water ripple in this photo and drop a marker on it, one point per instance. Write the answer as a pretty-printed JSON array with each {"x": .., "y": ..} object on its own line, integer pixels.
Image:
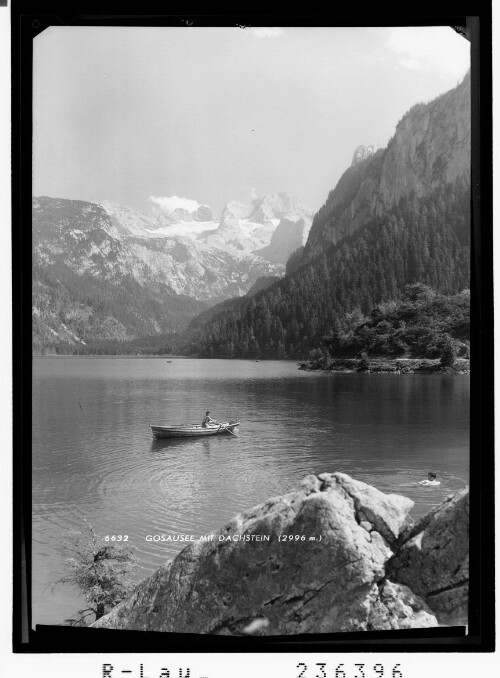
[{"x": 385, "y": 431}]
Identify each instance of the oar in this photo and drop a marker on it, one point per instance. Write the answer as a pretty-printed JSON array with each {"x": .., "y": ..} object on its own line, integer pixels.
[{"x": 228, "y": 430}]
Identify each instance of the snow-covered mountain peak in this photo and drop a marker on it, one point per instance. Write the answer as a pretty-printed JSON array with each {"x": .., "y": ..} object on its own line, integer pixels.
[{"x": 243, "y": 227}]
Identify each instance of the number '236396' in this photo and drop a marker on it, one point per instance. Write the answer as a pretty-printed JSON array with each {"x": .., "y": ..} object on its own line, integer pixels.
[{"x": 321, "y": 670}]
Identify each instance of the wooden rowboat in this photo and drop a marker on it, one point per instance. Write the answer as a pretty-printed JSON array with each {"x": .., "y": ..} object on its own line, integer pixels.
[{"x": 192, "y": 430}]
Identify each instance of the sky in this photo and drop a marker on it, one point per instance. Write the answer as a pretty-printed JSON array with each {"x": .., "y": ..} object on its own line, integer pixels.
[{"x": 165, "y": 117}]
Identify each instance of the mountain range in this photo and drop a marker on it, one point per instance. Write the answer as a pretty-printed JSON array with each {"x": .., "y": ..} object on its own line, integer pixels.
[
  {"x": 398, "y": 216},
  {"x": 105, "y": 272}
]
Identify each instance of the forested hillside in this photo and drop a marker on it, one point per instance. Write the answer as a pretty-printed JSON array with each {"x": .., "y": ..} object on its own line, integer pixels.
[
  {"x": 86, "y": 310},
  {"x": 422, "y": 324},
  {"x": 421, "y": 240}
]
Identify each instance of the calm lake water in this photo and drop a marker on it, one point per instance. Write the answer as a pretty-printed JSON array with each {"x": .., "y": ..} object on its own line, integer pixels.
[{"x": 94, "y": 457}]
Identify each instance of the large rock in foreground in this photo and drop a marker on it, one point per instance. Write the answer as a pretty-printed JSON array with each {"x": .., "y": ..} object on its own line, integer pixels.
[
  {"x": 434, "y": 559},
  {"x": 248, "y": 580}
]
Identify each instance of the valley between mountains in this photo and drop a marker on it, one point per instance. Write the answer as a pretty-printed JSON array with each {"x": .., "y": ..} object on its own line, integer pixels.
[{"x": 383, "y": 267}]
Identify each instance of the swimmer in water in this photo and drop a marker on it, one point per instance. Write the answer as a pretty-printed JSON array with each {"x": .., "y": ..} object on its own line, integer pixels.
[{"x": 431, "y": 480}]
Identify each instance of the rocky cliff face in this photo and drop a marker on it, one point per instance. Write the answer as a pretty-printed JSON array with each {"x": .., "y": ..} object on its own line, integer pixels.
[
  {"x": 287, "y": 238},
  {"x": 431, "y": 147},
  {"x": 362, "y": 153},
  {"x": 246, "y": 580}
]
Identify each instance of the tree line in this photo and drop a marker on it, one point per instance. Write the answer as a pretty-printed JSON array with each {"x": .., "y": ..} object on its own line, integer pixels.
[{"x": 420, "y": 240}]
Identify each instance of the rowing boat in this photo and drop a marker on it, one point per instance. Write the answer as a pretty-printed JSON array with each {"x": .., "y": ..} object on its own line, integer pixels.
[{"x": 191, "y": 430}]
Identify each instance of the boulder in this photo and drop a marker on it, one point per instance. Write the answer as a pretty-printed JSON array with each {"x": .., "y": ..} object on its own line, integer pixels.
[
  {"x": 328, "y": 576},
  {"x": 395, "y": 606},
  {"x": 433, "y": 559}
]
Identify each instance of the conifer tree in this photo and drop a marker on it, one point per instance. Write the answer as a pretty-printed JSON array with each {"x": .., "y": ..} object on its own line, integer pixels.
[{"x": 98, "y": 569}]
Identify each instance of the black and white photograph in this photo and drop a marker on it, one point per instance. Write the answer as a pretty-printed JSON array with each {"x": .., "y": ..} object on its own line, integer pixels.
[{"x": 251, "y": 329}]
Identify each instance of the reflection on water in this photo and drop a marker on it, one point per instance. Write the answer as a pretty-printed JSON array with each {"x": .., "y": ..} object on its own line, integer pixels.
[{"x": 93, "y": 455}]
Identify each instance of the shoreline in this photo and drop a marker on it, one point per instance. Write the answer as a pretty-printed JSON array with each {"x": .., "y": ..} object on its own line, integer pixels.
[
  {"x": 337, "y": 365},
  {"x": 163, "y": 356},
  {"x": 388, "y": 366},
  {"x": 137, "y": 356}
]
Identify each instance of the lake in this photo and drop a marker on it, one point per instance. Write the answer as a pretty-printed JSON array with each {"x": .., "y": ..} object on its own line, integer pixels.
[{"x": 94, "y": 457}]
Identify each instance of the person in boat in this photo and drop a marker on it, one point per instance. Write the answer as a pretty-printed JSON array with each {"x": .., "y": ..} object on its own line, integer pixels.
[
  {"x": 208, "y": 420},
  {"x": 431, "y": 480}
]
